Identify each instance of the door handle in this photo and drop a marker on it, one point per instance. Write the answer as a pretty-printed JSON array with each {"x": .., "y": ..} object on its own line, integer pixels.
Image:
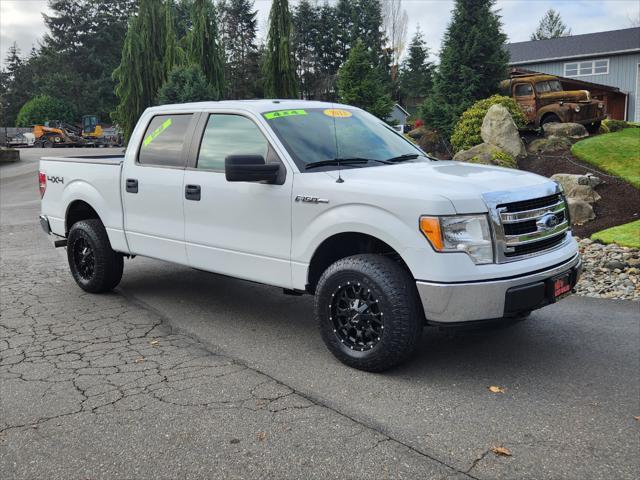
[
  {"x": 132, "y": 185},
  {"x": 192, "y": 192}
]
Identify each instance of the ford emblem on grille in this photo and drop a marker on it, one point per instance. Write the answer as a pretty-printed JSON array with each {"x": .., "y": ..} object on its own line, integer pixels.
[{"x": 547, "y": 221}]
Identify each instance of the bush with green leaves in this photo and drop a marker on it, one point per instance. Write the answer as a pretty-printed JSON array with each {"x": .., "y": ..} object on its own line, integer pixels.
[
  {"x": 186, "y": 84},
  {"x": 617, "y": 125},
  {"x": 466, "y": 133},
  {"x": 43, "y": 108},
  {"x": 503, "y": 159}
]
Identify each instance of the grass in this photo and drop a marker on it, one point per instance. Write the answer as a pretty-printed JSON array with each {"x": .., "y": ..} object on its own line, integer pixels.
[
  {"x": 616, "y": 153},
  {"x": 627, "y": 235}
]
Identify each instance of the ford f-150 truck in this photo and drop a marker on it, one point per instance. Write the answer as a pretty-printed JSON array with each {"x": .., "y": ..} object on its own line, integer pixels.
[{"x": 319, "y": 198}]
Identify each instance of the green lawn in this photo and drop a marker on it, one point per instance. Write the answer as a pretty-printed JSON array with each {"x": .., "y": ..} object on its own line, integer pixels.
[
  {"x": 615, "y": 153},
  {"x": 627, "y": 235}
]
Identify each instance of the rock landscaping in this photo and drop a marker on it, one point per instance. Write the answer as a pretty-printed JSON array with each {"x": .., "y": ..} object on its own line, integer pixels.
[
  {"x": 574, "y": 131},
  {"x": 609, "y": 271}
]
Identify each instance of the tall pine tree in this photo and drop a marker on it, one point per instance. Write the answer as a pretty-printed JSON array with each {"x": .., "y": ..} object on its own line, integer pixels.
[
  {"x": 473, "y": 60},
  {"x": 359, "y": 82},
  {"x": 416, "y": 71},
  {"x": 204, "y": 44},
  {"x": 551, "y": 26},
  {"x": 141, "y": 72},
  {"x": 279, "y": 69},
  {"x": 305, "y": 23},
  {"x": 238, "y": 27}
]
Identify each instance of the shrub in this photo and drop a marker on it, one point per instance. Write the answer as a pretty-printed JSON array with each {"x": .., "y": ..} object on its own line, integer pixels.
[
  {"x": 43, "y": 108},
  {"x": 604, "y": 128},
  {"x": 186, "y": 84},
  {"x": 617, "y": 125},
  {"x": 503, "y": 159},
  {"x": 466, "y": 133}
]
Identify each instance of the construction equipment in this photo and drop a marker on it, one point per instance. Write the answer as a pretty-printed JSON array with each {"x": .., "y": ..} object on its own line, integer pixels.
[
  {"x": 99, "y": 133},
  {"x": 55, "y": 133}
]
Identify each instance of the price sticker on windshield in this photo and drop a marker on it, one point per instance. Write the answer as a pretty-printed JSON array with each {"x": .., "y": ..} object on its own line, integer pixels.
[
  {"x": 337, "y": 113},
  {"x": 284, "y": 113}
]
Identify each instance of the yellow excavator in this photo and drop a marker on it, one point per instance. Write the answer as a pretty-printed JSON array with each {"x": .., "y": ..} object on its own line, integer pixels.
[{"x": 91, "y": 133}]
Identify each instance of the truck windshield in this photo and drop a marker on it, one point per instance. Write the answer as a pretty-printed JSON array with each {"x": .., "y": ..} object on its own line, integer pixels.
[
  {"x": 549, "y": 86},
  {"x": 323, "y": 134}
]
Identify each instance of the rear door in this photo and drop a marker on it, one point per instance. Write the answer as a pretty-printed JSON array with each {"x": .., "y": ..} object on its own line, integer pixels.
[
  {"x": 241, "y": 229},
  {"x": 526, "y": 98},
  {"x": 152, "y": 189}
]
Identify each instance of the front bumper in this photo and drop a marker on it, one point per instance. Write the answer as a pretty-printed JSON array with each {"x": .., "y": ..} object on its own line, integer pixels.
[{"x": 490, "y": 299}]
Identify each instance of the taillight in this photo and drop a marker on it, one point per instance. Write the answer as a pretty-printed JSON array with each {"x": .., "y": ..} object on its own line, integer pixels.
[{"x": 42, "y": 180}]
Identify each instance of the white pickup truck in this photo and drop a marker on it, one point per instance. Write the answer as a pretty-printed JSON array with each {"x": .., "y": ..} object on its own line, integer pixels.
[{"x": 319, "y": 198}]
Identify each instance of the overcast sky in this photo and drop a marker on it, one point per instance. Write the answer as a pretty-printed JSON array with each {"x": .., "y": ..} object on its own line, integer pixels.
[{"x": 21, "y": 20}]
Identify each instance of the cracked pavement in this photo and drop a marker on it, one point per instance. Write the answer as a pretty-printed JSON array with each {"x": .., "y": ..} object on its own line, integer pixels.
[{"x": 176, "y": 374}]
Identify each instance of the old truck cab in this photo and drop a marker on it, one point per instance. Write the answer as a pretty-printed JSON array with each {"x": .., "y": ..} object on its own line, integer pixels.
[{"x": 543, "y": 100}]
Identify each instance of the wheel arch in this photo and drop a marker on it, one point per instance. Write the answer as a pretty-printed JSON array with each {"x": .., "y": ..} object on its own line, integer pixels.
[
  {"x": 78, "y": 210},
  {"x": 345, "y": 244}
]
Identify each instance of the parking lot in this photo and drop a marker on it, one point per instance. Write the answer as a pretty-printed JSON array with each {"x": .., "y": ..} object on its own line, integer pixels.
[{"x": 181, "y": 373}]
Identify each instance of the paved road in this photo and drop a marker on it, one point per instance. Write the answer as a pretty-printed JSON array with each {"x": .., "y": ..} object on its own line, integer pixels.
[{"x": 570, "y": 375}]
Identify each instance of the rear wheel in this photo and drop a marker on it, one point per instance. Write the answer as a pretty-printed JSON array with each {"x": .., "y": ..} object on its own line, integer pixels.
[
  {"x": 369, "y": 313},
  {"x": 94, "y": 265}
]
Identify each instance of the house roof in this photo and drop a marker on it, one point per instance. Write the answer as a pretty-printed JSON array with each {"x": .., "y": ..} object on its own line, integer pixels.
[{"x": 575, "y": 46}]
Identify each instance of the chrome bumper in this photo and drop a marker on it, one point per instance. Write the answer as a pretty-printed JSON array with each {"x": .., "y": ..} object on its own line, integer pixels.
[{"x": 463, "y": 302}]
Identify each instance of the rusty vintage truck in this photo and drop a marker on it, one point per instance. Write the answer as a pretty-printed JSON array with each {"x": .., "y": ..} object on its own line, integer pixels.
[{"x": 543, "y": 100}]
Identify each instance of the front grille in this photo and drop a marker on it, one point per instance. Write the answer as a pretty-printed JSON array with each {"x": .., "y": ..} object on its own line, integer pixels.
[
  {"x": 531, "y": 204},
  {"x": 531, "y": 226},
  {"x": 540, "y": 246}
]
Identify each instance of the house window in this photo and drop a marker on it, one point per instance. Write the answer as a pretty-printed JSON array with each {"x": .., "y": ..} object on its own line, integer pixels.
[{"x": 588, "y": 67}]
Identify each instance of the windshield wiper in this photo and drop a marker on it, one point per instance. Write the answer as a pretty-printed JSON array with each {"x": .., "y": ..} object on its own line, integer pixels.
[
  {"x": 403, "y": 158},
  {"x": 337, "y": 161}
]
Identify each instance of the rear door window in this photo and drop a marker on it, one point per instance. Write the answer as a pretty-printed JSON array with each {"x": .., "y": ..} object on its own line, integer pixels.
[{"x": 164, "y": 140}]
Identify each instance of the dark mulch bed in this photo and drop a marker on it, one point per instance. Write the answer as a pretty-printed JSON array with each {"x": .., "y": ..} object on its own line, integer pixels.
[{"x": 620, "y": 201}]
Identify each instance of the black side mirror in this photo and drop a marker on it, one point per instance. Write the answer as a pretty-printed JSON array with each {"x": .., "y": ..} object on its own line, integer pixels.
[{"x": 250, "y": 168}]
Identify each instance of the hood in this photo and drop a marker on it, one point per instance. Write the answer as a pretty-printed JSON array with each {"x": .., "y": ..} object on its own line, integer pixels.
[
  {"x": 566, "y": 96},
  {"x": 461, "y": 183}
]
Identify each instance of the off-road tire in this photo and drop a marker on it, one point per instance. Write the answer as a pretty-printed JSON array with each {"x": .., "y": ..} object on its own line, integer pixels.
[
  {"x": 107, "y": 264},
  {"x": 397, "y": 297}
]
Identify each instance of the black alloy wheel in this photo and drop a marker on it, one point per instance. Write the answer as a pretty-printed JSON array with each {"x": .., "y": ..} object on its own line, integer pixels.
[
  {"x": 356, "y": 316},
  {"x": 84, "y": 259}
]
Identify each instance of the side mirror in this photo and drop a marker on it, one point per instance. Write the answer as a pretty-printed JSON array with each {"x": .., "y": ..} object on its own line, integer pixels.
[{"x": 250, "y": 168}]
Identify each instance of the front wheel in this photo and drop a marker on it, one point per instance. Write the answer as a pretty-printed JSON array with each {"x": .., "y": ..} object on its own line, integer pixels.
[
  {"x": 94, "y": 265},
  {"x": 369, "y": 312}
]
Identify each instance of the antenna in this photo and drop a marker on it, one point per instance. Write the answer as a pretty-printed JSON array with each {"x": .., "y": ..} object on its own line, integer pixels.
[{"x": 335, "y": 136}]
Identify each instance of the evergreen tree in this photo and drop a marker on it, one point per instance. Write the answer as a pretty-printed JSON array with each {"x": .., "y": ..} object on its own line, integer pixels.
[
  {"x": 551, "y": 26},
  {"x": 360, "y": 84},
  {"x": 473, "y": 60},
  {"x": 305, "y": 27},
  {"x": 204, "y": 45},
  {"x": 279, "y": 70},
  {"x": 416, "y": 72},
  {"x": 141, "y": 72},
  {"x": 238, "y": 27},
  {"x": 186, "y": 84}
]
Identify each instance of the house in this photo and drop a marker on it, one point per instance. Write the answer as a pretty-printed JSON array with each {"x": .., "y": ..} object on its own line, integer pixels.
[
  {"x": 399, "y": 117},
  {"x": 605, "y": 63}
]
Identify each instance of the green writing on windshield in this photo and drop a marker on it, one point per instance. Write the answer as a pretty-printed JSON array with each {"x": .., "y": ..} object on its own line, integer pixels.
[
  {"x": 166, "y": 124},
  {"x": 283, "y": 113}
]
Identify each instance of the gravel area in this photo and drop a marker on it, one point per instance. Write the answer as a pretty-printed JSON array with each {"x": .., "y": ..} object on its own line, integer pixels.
[{"x": 609, "y": 271}]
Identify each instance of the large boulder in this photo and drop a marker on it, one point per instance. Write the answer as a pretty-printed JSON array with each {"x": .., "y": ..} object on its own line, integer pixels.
[
  {"x": 486, "y": 154},
  {"x": 573, "y": 131},
  {"x": 579, "y": 187},
  {"x": 550, "y": 144},
  {"x": 581, "y": 212},
  {"x": 8, "y": 155},
  {"x": 499, "y": 129}
]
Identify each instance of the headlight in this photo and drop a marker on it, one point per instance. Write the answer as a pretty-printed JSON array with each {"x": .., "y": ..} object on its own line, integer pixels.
[
  {"x": 577, "y": 108},
  {"x": 460, "y": 233},
  {"x": 601, "y": 105}
]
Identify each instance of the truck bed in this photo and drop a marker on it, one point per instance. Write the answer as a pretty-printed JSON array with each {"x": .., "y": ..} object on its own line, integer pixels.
[{"x": 98, "y": 159}]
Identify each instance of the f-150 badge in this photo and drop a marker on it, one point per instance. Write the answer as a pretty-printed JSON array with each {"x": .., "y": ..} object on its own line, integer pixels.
[{"x": 308, "y": 199}]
